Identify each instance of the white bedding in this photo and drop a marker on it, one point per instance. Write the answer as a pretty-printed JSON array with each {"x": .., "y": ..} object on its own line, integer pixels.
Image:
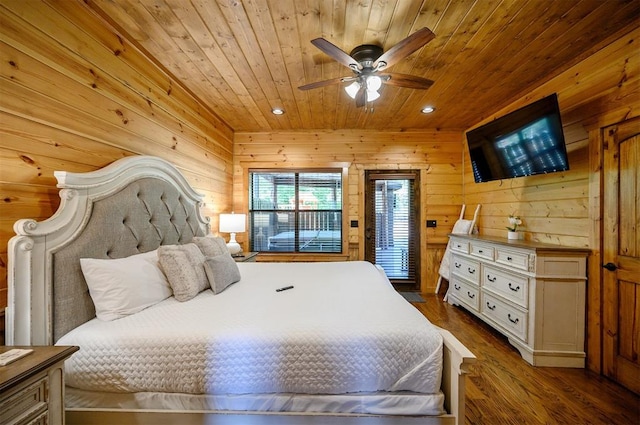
[{"x": 341, "y": 329}]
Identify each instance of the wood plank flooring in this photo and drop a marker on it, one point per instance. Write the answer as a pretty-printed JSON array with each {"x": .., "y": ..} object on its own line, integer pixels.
[{"x": 504, "y": 389}]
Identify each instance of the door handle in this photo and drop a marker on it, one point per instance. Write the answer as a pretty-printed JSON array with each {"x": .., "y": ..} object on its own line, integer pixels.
[{"x": 610, "y": 266}]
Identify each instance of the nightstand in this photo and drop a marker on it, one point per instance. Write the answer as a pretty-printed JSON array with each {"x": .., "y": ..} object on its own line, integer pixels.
[
  {"x": 247, "y": 257},
  {"x": 32, "y": 388}
]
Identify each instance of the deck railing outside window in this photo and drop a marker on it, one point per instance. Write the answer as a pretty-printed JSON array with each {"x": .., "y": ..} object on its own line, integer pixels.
[{"x": 296, "y": 211}]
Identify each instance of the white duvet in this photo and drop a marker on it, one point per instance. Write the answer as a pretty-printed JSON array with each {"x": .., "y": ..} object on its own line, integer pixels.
[{"x": 341, "y": 329}]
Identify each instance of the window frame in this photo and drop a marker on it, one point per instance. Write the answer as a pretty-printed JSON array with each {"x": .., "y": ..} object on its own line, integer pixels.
[{"x": 343, "y": 171}]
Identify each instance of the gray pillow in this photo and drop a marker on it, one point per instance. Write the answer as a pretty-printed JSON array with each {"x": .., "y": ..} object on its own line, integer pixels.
[
  {"x": 222, "y": 271},
  {"x": 211, "y": 246},
  {"x": 183, "y": 266}
]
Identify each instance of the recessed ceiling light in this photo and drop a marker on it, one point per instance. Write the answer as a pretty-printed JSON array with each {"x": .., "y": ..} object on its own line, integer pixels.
[
  {"x": 428, "y": 109},
  {"x": 277, "y": 111}
]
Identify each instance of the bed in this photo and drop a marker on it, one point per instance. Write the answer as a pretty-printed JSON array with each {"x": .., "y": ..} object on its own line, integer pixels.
[{"x": 320, "y": 348}]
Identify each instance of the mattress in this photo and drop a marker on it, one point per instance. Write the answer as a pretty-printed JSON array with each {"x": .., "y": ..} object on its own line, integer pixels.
[{"x": 342, "y": 329}]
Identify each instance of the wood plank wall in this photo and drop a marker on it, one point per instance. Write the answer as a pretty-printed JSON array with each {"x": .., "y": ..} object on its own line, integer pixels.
[
  {"x": 564, "y": 208},
  {"x": 599, "y": 91},
  {"x": 75, "y": 96},
  {"x": 437, "y": 154}
]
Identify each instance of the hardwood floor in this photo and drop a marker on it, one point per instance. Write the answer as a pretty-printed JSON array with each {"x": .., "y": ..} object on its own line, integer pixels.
[{"x": 504, "y": 389}]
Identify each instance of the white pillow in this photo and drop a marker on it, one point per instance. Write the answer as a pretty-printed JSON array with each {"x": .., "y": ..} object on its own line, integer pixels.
[{"x": 125, "y": 286}]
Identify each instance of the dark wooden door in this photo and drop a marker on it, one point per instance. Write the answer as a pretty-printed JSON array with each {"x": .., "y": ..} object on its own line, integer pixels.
[
  {"x": 621, "y": 254},
  {"x": 391, "y": 236}
]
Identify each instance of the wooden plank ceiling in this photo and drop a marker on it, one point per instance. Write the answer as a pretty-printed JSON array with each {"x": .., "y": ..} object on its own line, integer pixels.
[{"x": 244, "y": 57}]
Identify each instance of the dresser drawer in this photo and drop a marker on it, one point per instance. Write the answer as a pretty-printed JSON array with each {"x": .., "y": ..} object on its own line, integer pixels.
[
  {"x": 512, "y": 286},
  {"x": 516, "y": 259},
  {"x": 483, "y": 251},
  {"x": 466, "y": 268},
  {"x": 26, "y": 404},
  {"x": 459, "y": 246},
  {"x": 508, "y": 317},
  {"x": 465, "y": 293}
]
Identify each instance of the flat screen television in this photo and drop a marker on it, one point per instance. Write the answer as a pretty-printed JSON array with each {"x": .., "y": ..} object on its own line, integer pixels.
[{"x": 522, "y": 143}]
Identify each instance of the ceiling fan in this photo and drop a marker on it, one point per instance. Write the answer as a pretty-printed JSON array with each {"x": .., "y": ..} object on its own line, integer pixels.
[{"x": 367, "y": 63}]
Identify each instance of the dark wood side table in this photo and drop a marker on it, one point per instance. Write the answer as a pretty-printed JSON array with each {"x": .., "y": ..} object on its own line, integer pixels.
[
  {"x": 32, "y": 388},
  {"x": 247, "y": 257}
]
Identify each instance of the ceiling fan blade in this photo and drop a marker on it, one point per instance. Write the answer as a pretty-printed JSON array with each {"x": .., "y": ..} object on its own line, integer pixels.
[
  {"x": 324, "y": 83},
  {"x": 405, "y": 48},
  {"x": 336, "y": 53},
  {"x": 404, "y": 80},
  {"x": 361, "y": 96}
]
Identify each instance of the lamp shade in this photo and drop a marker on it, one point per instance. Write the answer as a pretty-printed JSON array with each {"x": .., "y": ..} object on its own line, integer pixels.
[
  {"x": 352, "y": 89},
  {"x": 232, "y": 223},
  {"x": 374, "y": 83}
]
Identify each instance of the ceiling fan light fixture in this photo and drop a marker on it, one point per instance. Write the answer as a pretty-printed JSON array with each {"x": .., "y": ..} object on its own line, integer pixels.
[
  {"x": 372, "y": 95},
  {"x": 352, "y": 89},
  {"x": 374, "y": 83}
]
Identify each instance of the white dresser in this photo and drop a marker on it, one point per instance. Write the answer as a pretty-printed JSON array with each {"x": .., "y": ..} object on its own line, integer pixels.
[{"x": 533, "y": 293}]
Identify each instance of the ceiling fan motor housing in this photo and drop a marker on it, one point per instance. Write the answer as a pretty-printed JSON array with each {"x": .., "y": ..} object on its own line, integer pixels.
[{"x": 366, "y": 54}]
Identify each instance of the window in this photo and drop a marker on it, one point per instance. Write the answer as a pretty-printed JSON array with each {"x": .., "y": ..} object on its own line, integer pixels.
[{"x": 295, "y": 211}]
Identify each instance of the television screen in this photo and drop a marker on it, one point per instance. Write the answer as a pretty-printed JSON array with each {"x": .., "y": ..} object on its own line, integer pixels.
[{"x": 523, "y": 143}]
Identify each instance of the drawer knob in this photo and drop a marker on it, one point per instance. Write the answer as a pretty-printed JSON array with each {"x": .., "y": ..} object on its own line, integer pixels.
[
  {"x": 470, "y": 270},
  {"x": 516, "y": 289},
  {"x": 456, "y": 286},
  {"x": 514, "y": 321},
  {"x": 472, "y": 296},
  {"x": 480, "y": 251},
  {"x": 490, "y": 279},
  {"x": 457, "y": 265},
  {"x": 509, "y": 259},
  {"x": 491, "y": 307}
]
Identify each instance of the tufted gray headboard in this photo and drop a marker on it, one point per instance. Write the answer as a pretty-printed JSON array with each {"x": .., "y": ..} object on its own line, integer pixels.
[
  {"x": 139, "y": 218},
  {"x": 131, "y": 206}
]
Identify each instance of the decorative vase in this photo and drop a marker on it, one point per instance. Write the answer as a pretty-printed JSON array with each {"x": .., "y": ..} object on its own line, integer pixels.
[{"x": 514, "y": 235}]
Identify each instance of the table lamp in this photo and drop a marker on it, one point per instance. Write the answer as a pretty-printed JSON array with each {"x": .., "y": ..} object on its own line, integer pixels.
[{"x": 232, "y": 223}]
